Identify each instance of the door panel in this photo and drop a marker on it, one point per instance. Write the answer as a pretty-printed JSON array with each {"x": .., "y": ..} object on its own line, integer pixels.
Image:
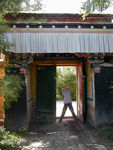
[
  {"x": 80, "y": 92},
  {"x": 46, "y": 93}
]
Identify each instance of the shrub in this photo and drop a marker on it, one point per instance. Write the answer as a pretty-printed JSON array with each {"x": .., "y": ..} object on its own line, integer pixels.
[
  {"x": 8, "y": 140},
  {"x": 11, "y": 87},
  {"x": 66, "y": 77}
]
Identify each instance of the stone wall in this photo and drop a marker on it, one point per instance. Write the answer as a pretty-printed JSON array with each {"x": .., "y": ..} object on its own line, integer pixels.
[
  {"x": 99, "y": 96},
  {"x": 103, "y": 96}
]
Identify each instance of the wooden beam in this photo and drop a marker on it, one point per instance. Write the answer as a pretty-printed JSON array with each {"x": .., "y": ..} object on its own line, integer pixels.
[{"x": 56, "y": 62}]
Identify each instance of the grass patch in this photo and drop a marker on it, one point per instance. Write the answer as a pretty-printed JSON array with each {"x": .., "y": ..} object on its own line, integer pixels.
[
  {"x": 106, "y": 131},
  {"x": 10, "y": 140}
]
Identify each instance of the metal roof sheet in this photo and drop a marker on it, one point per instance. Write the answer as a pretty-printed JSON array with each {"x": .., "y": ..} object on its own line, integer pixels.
[{"x": 61, "y": 40}]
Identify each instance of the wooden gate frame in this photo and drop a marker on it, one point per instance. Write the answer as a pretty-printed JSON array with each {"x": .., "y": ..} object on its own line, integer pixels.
[{"x": 76, "y": 63}]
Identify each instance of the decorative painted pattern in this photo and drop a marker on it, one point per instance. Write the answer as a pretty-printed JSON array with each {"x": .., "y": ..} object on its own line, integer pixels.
[{"x": 59, "y": 30}]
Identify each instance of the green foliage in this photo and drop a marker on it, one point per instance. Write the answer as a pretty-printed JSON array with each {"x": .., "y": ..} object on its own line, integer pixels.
[
  {"x": 22, "y": 131},
  {"x": 34, "y": 6},
  {"x": 106, "y": 132},
  {"x": 8, "y": 140},
  {"x": 14, "y": 7},
  {"x": 92, "y": 5},
  {"x": 18, "y": 5},
  {"x": 3, "y": 36},
  {"x": 31, "y": 19},
  {"x": 111, "y": 87},
  {"x": 66, "y": 77},
  {"x": 11, "y": 87}
]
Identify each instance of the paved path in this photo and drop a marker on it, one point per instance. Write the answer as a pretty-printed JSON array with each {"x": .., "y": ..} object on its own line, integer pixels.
[
  {"x": 68, "y": 135},
  {"x": 59, "y": 107}
]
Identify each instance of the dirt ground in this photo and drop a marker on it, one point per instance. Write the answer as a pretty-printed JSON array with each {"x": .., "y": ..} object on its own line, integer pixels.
[{"x": 67, "y": 135}]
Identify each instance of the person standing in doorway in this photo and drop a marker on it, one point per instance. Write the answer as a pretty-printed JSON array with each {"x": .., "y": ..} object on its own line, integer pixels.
[{"x": 67, "y": 103}]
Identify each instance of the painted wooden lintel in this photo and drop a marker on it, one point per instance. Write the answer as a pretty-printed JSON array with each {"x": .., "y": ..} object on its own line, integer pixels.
[{"x": 56, "y": 62}]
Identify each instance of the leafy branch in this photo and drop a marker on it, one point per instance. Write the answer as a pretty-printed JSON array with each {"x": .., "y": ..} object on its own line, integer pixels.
[
  {"x": 11, "y": 86},
  {"x": 91, "y": 6}
]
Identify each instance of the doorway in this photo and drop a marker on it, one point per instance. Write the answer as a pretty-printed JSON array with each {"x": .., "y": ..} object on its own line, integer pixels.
[
  {"x": 65, "y": 77},
  {"x": 46, "y": 88}
]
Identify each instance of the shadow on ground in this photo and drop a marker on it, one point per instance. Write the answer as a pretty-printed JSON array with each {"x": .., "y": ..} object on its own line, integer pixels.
[{"x": 68, "y": 135}]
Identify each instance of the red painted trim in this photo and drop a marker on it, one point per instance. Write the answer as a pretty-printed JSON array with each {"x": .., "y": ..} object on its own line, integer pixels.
[
  {"x": 43, "y": 30},
  {"x": 77, "y": 88},
  {"x": 82, "y": 90},
  {"x": 59, "y": 17},
  {"x": 80, "y": 87}
]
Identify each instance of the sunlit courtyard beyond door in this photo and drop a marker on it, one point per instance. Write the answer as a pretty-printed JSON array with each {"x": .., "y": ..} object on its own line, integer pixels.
[{"x": 66, "y": 77}]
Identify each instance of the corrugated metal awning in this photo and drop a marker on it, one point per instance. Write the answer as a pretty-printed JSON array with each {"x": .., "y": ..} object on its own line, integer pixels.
[{"x": 40, "y": 40}]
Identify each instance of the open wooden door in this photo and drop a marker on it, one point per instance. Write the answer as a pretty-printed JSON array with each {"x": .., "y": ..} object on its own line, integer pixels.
[
  {"x": 46, "y": 93},
  {"x": 79, "y": 88}
]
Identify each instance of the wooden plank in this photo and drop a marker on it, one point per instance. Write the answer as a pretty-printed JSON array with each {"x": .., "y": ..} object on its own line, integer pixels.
[
  {"x": 80, "y": 93},
  {"x": 46, "y": 92},
  {"x": 34, "y": 88}
]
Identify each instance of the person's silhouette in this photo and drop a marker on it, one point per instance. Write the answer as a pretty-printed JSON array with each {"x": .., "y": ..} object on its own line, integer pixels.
[{"x": 67, "y": 103}]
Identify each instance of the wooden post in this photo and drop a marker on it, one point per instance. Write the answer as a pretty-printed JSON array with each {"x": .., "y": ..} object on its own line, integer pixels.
[
  {"x": 2, "y": 74},
  {"x": 3, "y": 63},
  {"x": 34, "y": 86}
]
